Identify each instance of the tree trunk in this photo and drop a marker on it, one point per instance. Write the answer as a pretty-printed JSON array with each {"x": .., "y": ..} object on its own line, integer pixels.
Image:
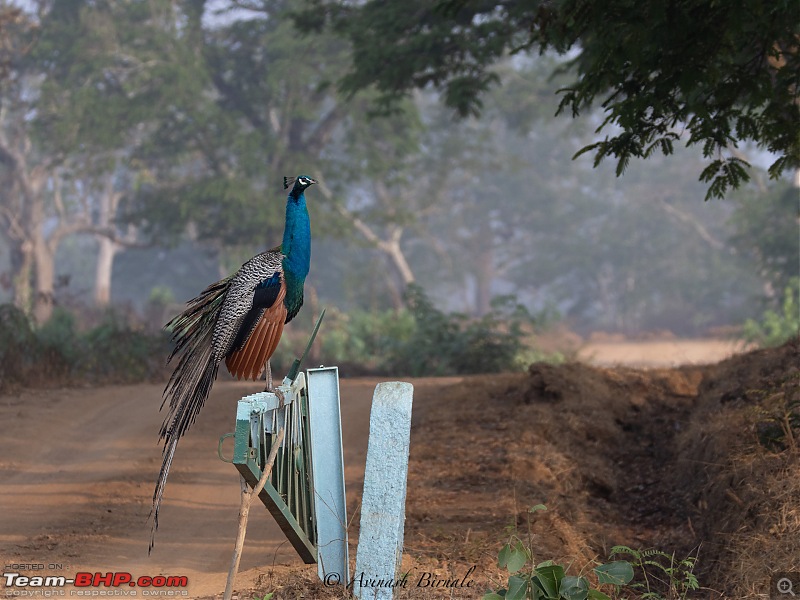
[
  {"x": 484, "y": 277},
  {"x": 22, "y": 268},
  {"x": 107, "y": 250},
  {"x": 45, "y": 279},
  {"x": 484, "y": 268},
  {"x": 43, "y": 255}
]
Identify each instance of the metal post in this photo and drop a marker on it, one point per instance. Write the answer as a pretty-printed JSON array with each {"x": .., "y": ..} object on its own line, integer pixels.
[{"x": 328, "y": 474}]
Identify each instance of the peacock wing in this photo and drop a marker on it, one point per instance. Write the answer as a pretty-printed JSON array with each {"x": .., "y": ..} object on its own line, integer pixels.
[{"x": 260, "y": 331}]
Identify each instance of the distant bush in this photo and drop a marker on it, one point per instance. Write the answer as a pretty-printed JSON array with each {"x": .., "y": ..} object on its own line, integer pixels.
[
  {"x": 775, "y": 327},
  {"x": 112, "y": 352},
  {"x": 421, "y": 340},
  {"x": 19, "y": 348},
  {"x": 117, "y": 352},
  {"x": 362, "y": 340},
  {"x": 455, "y": 344}
]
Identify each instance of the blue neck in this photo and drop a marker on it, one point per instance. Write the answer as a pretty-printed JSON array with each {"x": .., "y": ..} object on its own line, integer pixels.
[{"x": 296, "y": 245}]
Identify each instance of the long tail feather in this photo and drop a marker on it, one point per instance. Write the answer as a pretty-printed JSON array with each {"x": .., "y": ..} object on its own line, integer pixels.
[{"x": 191, "y": 381}]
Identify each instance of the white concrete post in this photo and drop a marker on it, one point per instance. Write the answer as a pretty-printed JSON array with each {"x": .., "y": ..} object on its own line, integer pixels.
[{"x": 383, "y": 505}]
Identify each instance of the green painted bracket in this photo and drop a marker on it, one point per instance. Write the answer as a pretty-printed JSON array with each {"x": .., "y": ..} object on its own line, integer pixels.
[{"x": 250, "y": 450}]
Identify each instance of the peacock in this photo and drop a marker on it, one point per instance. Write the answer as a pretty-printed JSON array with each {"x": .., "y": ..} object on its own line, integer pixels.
[{"x": 239, "y": 320}]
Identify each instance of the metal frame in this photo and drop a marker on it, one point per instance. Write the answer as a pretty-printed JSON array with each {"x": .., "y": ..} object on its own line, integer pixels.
[
  {"x": 257, "y": 417},
  {"x": 306, "y": 491}
]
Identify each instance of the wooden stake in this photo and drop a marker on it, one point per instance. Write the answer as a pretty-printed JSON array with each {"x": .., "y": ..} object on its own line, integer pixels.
[{"x": 244, "y": 511}]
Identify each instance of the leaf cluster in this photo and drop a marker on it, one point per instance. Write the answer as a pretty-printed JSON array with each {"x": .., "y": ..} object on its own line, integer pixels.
[
  {"x": 662, "y": 574},
  {"x": 549, "y": 581},
  {"x": 714, "y": 74}
]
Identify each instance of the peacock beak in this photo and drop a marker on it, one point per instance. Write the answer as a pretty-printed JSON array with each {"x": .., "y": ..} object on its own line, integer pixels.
[{"x": 313, "y": 181}]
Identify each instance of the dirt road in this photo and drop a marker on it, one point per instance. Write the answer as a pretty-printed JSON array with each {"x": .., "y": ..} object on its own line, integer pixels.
[
  {"x": 77, "y": 469},
  {"x": 77, "y": 472},
  {"x": 659, "y": 352}
]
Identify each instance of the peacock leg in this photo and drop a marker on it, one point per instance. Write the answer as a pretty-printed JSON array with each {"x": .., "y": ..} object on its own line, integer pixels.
[
  {"x": 268, "y": 375},
  {"x": 271, "y": 389}
]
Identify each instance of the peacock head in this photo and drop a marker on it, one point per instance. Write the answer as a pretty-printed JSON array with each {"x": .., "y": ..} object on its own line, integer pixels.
[{"x": 301, "y": 182}]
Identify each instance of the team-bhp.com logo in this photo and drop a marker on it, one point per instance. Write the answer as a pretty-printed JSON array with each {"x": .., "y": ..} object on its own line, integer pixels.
[{"x": 152, "y": 586}]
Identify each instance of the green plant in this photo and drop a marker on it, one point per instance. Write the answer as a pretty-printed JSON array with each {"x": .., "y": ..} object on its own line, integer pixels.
[
  {"x": 365, "y": 338},
  {"x": 60, "y": 344},
  {"x": 664, "y": 577},
  {"x": 116, "y": 351},
  {"x": 452, "y": 343},
  {"x": 161, "y": 295},
  {"x": 19, "y": 347},
  {"x": 547, "y": 580},
  {"x": 775, "y": 328}
]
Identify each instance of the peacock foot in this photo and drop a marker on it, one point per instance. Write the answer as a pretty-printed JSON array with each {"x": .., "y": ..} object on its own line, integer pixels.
[{"x": 280, "y": 395}]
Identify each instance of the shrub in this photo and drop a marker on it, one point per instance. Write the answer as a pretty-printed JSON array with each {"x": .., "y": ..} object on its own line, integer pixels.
[
  {"x": 363, "y": 339},
  {"x": 58, "y": 352},
  {"x": 775, "y": 328},
  {"x": 60, "y": 345},
  {"x": 19, "y": 348},
  {"x": 117, "y": 352},
  {"x": 447, "y": 344}
]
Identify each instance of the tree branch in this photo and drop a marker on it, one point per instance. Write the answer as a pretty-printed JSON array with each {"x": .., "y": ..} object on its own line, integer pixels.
[
  {"x": 324, "y": 129},
  {"x": 701, "y": 231}
]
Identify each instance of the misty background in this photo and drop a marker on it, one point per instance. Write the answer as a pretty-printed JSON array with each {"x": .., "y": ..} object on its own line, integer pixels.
[{"x": 143, "y": 146}]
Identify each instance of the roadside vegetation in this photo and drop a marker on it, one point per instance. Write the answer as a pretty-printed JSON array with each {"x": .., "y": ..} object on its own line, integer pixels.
[{"x": 417, "y": 341}]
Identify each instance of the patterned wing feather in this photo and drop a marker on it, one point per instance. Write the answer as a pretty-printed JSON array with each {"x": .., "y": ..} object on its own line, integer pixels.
[
  {"x": 249, "y": 361},
  {"x": 260, "y": 329},
  {"x": 237, "y": 318}
]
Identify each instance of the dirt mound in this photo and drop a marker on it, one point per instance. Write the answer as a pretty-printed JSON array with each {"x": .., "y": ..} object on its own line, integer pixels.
[
  {"x": 741, "y": 454},
  {"x": 692, "y": 460}
]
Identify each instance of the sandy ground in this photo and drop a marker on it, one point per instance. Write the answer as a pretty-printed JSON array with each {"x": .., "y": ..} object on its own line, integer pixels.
[
  {"x": 659, "y": 353},
  {"x": 77, "y": 472}
]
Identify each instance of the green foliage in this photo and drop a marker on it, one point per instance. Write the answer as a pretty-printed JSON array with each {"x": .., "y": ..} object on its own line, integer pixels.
[
  {"x": 445, "y": 344},
  {"x": 549, "y": 581},
  {"x": 19, "y": 348},
  {"x": 663, "y": 576},
  {"x": 365, "y": 339},
  {"x": 161, "y": 295},
  {"x": 59, "y": 344},
  {"x": 115, "y": 351},
  {"x": 58, "y": 352},
  {"x": 765, "y": 230},
  {"x": 422, "y": 340},
  {"x": 723, "y": 73},
  {"x": 775, "y": 328}
]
